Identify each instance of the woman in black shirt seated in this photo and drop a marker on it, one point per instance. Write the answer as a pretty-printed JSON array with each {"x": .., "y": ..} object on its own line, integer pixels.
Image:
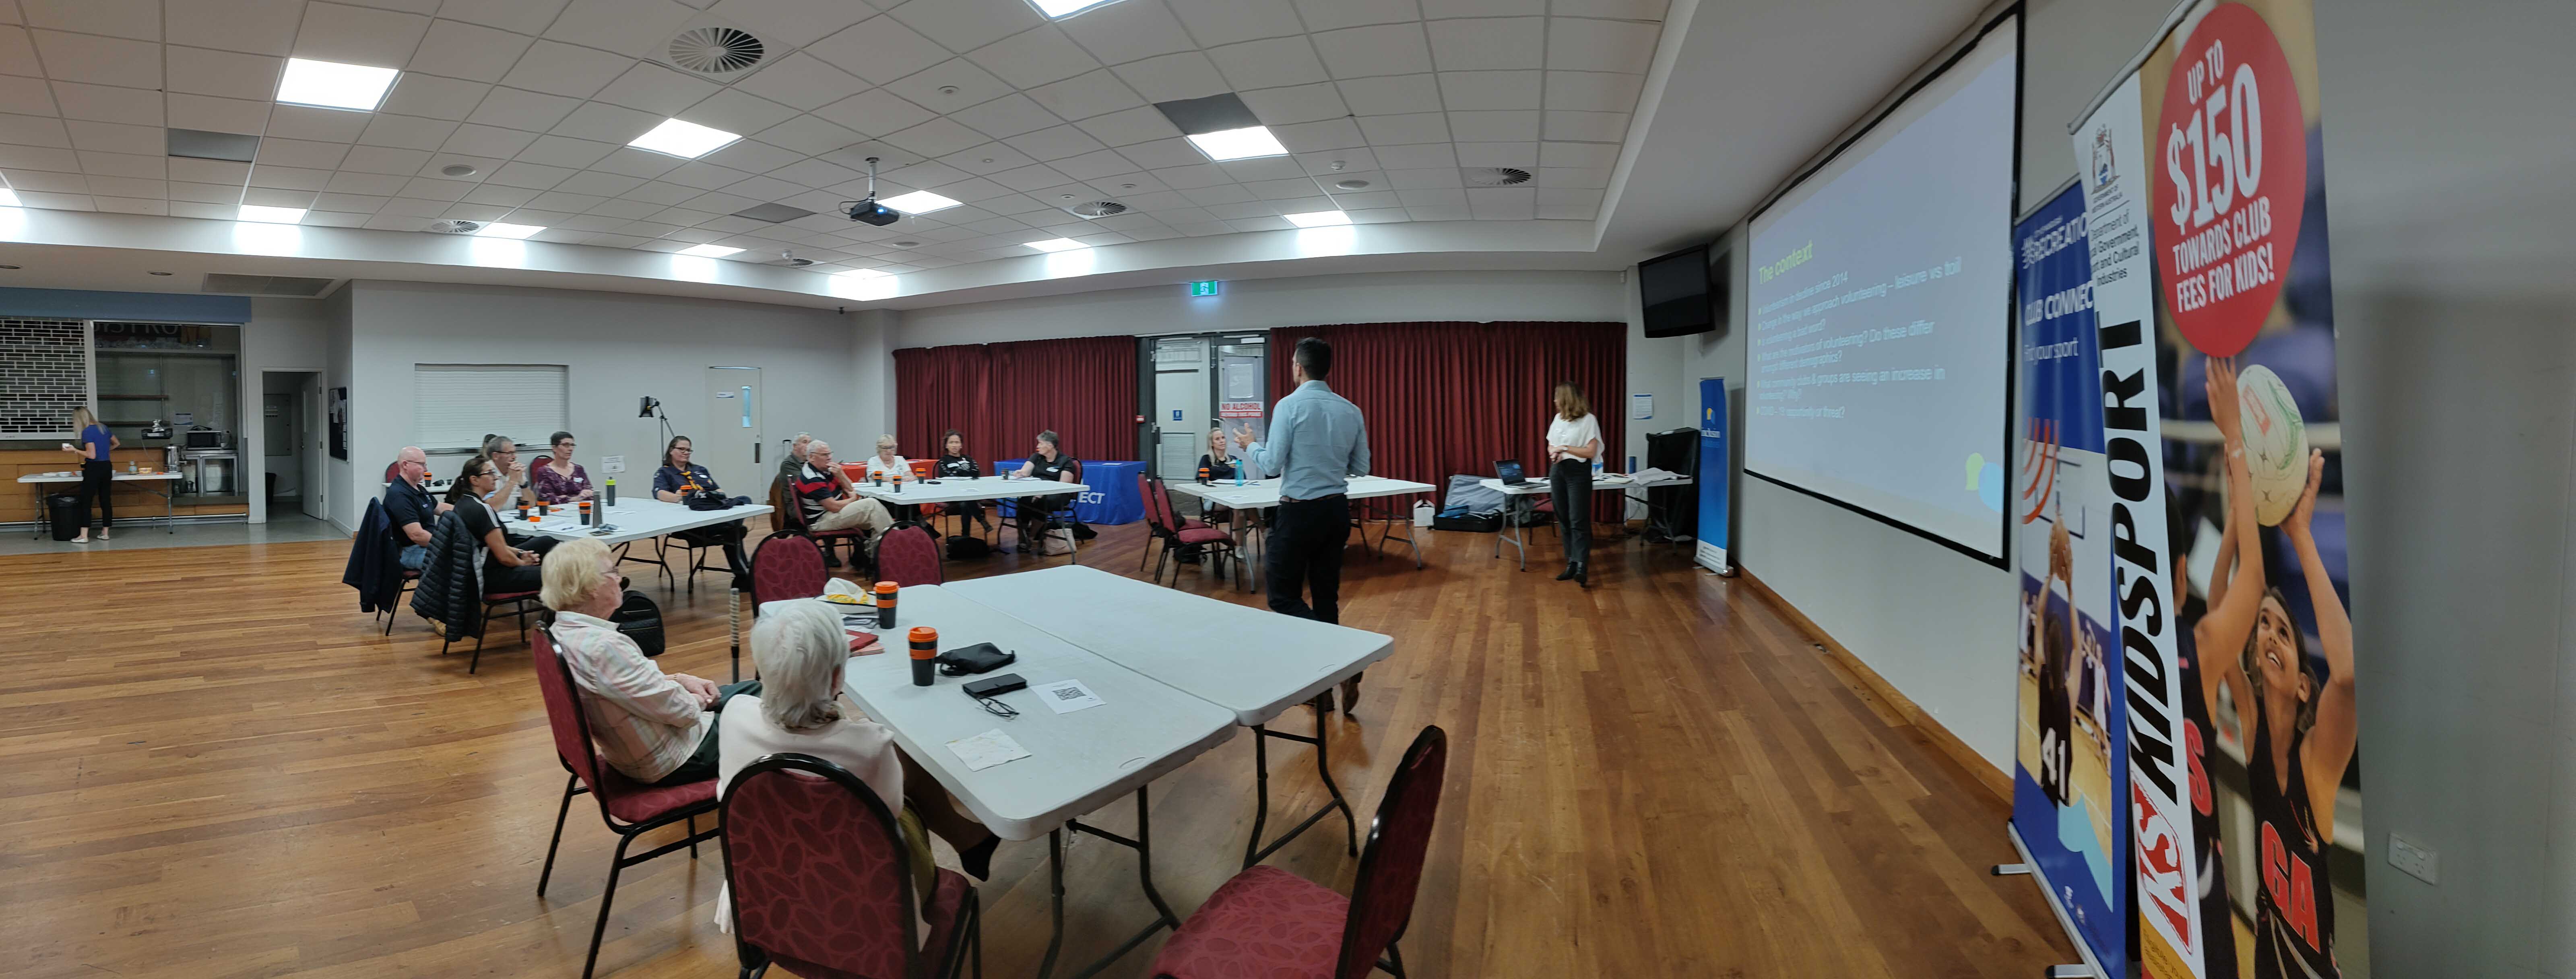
[
  {"x": 954, "y": 463},
  {"x": 1218, "y": 468},
  {"x": 676, "y": 481},
  {"x": 505, "y": 569},
  {"x": 1048, "y": 462}
]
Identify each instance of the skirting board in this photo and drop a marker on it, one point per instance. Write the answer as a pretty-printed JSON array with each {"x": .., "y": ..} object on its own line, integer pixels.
[{"x": 1995, "y": 780}]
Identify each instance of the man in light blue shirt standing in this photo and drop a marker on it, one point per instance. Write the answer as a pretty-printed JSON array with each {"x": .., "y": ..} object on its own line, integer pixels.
[{"x": 1317, "y": 441}]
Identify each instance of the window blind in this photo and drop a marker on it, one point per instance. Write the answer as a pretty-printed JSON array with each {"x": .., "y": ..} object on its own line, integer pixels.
[{"x": 455, "y": 405}]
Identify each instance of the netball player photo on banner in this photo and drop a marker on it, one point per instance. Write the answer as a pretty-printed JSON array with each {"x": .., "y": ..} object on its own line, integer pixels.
[
  {"x": 2224, "y": 139},
  {"x": 2067, "y": 804}
]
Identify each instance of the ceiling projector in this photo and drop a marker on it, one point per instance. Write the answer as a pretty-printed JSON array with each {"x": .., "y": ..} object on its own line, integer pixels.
[
  {"x": 867, "y": 209},
  {"x": 872, "y": 212}
]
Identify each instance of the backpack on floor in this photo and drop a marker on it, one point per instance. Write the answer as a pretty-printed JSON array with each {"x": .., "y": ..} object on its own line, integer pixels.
[{"x": 966, "y": 548}]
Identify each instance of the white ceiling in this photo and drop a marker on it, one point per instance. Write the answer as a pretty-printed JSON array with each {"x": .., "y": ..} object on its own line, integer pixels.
[{"x": 540, "y": 96}]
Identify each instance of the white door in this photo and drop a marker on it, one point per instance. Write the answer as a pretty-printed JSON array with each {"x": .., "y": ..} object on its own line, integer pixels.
[
  {"x": 1182, "y": 396},
  {"x": 730, "y": 446}
]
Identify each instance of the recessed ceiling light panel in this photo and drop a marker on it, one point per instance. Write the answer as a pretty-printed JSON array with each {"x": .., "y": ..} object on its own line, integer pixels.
[
  {"x": 709, "y": 251},
  {"x": 1238, "y": 144},
  {"x": 497, "y": 229},
  {"x": 919, "y": 202},
  {"x": 1061, "y": 9},
  {"x": 1318, "y": 219},
  {"x": 9, "y": 198},
  {"x": 684, "y": 139},
  {"x": 1056, "y": 245},
  {"x": 271, "y": 215},
  {"x": 332, "y": 85}
]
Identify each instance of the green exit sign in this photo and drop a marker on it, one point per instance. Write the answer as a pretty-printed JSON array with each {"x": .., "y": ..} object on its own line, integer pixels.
[{"x": 1207, "y": 288}]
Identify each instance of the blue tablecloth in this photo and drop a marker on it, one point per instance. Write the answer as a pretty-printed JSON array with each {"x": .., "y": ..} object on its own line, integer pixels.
[{"x": 1110, "y": 502}]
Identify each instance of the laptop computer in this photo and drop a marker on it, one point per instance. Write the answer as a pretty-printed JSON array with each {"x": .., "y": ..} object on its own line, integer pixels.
[{"x": 1509, "y": 472}]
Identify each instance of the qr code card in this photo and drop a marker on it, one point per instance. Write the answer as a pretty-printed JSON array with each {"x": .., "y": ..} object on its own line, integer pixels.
[{"x": 1067, "y": 696}]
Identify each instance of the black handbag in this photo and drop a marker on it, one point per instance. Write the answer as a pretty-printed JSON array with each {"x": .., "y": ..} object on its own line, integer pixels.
[
  {"x": 706, "y": 499},
  {"x": 640, "y": 620},
  {"x": 963, "y": 548},
  {"x": 981, "y": 657}
]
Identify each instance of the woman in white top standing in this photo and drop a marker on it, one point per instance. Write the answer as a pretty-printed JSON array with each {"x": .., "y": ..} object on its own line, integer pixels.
[{"x": 1573, "y": 441}]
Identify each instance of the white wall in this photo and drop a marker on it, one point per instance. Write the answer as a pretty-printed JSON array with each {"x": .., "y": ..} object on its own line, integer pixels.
[
  {"x": 289, "y": 334},
  {"x": 1259, "y": 304},
  {"x": 2447, "y": 150},
  {"x": 618, "y": 347}
]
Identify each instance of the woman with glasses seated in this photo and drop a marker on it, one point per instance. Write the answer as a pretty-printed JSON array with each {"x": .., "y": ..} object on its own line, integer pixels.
[
  {"x": 677, "y": 481},
  {"x": 801, "y": 650},
  {"x": 559, "y": 479}
]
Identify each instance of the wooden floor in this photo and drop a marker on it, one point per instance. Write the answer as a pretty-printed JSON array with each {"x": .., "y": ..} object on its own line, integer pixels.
[{"x": 214, "y": 766}]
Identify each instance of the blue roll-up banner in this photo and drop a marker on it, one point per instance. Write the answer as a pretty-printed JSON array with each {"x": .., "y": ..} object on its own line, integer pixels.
[
  {"x": 1111, "y": 501},
  {"x": 2072, "y": 731},
  {"x": 1712, "y": 476}
]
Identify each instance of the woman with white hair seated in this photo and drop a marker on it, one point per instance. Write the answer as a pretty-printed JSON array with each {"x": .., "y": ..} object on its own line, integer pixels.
[
  {"x": 801, "y": 650},
  {"x": 658, "y": 728},
  {"x": 890, "y": 466}
]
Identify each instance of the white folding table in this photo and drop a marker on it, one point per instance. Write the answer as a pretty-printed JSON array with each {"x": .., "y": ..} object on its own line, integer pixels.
[
  {"x": 963, "y": 489},
  {"x": 1078, "y": 762},
  {"x": 1263, "y": 494},
  {"x": 627, "y": 522},
  {"x": 169, "y": 494},
  {"x": 1252, "y": 663},
  {"x": 1522, "y": 504}
]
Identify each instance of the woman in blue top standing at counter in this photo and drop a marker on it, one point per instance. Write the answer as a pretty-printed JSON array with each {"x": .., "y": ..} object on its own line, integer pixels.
[
  {"x": 673, "y": 483},
  {"x": 97, "y": 476}
]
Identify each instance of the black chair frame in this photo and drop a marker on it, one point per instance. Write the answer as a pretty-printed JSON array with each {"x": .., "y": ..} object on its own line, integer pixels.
[{"x": 968, "y": 938}]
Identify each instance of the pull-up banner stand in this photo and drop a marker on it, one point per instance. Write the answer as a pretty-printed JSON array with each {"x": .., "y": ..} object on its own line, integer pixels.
[
  {"x": 2071, "y": 760},
  {"x": 2204, "y": 207}
]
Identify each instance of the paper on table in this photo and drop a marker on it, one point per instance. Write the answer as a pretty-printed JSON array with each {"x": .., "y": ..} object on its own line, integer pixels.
[
  {"x": 1067, "y": 696},
  {"x": 987, "y": 750}
]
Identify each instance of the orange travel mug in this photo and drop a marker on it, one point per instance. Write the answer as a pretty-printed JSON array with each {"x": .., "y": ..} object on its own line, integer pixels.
[
  {"x": 925, "y": 654},
  {"x": 885, "y": 604}
]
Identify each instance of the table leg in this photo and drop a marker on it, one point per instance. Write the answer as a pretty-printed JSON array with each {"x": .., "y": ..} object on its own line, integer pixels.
[
  {"x": 1253, "y": 851},
  {"x": 1143, "y": 844},
  {"x": 41, "y": 516},
  {"x": 170, "y": 510},
  {"x": 1517, "y": 537},
  {"x": 1387, "y": 533}
]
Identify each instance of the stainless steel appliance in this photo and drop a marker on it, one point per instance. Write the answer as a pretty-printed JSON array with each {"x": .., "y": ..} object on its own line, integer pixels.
[{"x": 205, "y": 438}]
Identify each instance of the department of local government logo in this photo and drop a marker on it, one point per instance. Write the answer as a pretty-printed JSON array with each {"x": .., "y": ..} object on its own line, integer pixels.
[{"x": 2103, "y": 170}]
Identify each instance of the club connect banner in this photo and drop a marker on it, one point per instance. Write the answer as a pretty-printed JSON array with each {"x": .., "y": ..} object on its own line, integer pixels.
[
  {"x": 2071, "y": 774},
  {"x": 2205, "y": 202}
]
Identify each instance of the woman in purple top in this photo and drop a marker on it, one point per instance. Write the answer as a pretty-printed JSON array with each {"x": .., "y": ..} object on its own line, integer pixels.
[{"x": 559, "y": 479}]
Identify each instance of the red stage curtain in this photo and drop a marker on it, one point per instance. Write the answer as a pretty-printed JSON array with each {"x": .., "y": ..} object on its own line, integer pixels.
[
  {"x": 1001, "y": 395},
  {"x": 937, "y": 389},
  {"x": 1449, "y": 398},
  {"x": 1082, "y": 387}
]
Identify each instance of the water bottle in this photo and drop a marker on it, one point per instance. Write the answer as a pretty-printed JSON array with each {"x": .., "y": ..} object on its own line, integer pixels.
[
  {"x": 1238, "y": 474},
  {"x": 612, "y": 491}
]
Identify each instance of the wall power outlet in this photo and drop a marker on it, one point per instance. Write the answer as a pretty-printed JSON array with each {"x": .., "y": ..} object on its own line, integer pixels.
[{"x": 2414, "y": 858}]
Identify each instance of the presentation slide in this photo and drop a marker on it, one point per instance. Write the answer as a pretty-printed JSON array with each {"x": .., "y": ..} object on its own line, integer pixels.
[{"x": 1880, "y": 301}]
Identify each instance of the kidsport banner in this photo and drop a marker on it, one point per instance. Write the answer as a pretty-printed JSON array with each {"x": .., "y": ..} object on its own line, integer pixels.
[
  {"x": 2070, "y": 753},
  {"x": 2205, "y": 203}
]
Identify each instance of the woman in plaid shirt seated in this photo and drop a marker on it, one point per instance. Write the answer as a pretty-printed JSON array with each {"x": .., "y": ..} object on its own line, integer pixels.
[{"x": 654, "y": 727}]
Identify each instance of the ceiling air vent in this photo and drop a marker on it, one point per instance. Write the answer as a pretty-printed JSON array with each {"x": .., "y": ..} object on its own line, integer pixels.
[
  {"x": 265, "y": 285},
  {"x": 715, "y": 50},
  {"x": 1496, "y": 176},
  {"x": 1098, "y": 209},
  {"x": 452, "y": 227}
]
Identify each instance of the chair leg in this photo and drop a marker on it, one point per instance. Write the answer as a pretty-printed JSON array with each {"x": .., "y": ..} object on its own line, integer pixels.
[
  {"x": 553, "y": 844},
  {"x": 1394, "y": 963},
  {"x": 1147, "y": 552},
  {"x": 606, "y": 897},
  {"x": 693, "y": 837}
]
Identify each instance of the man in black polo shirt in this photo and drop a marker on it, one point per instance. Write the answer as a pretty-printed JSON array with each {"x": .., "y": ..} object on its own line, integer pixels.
[{"x": 410, "y": 508}]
